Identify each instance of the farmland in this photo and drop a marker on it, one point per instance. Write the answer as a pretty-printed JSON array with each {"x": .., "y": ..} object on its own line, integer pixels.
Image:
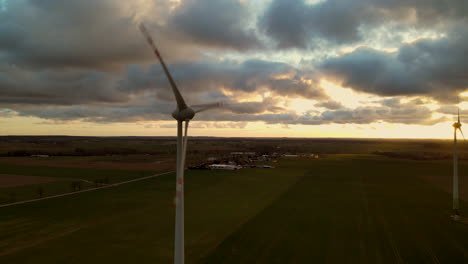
[
  {"x": 24, "y": 182},
  {"x": 346, "y": 208}
]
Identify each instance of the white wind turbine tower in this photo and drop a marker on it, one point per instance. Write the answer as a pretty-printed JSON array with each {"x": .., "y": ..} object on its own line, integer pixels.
[
  {"x": 182, "y": 114},
  {"x": 455, "y": 203}
]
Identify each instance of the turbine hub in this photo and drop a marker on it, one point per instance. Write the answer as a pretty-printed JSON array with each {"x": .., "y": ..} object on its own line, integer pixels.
[
  {"x": 457, "y": 125},
  {"x": 184, "y": 114}
]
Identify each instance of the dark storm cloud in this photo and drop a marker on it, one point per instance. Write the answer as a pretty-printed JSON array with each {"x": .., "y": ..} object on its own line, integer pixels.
[
  {"x": 84, "y": 33},
  {"x": 284, "y": 22},
  {"x": 104, "y": 35},
  {"x": 248, "y": 77},
  {"x": 219, "y": 23},
  {"x": 293, "y": 23},
  {"x": 101, "y": 113},
  {"x": 435, "y": 68},
  {"x": 56, "y": 87},
  {"x": 199, "y": 82},
  {"x": 297, "y": 24}
]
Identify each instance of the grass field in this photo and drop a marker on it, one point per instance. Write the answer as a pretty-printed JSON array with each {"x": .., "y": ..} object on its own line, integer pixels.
[
  {"x": 64, "y": 176},
  {"x": 122, "y": 162},
  {"x": 340, "y": 209}
]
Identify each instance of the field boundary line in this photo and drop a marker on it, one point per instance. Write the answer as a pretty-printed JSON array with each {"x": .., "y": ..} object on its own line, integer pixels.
[{"x": 87, "y": 190}]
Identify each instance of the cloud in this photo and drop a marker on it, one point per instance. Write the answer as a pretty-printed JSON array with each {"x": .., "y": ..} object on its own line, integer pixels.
[
  {"x": 238, "y": 125},
  {"x": 395, "y": 112},
  {"x": 332, "y": 105},
  {"x": 99, "y": 114},
  {"x": 144, "y": 109},
  {"x": 7, "y": 113},
  {"x": 85, "y": 59},
  {"x": 200, "y": 83},
  {"x": 367, "y": 115},
  {"x": 297, "y": 24},
  {"x": 390, "y": 111},
  {"x": 22, "y": 86},
  {"x": 452, "y": 111},
  {"x": 76, "y": 33},
  {"x": 103, "y": 34},
  {"x": 427, "y": 67},
  {"x": 217, "y": 23},
  {"x": 294, "y": 24},
  {"x": 267, "y": 105},
  {"x": 251, "y": 76}
]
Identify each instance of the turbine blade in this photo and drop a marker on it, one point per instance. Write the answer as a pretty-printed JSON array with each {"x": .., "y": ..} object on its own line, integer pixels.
[
  {"x": 462, "y": 134},
  {"x": 180, "y": 100},
  {"x": 459, "y": 115},
  {"x": 204, "y": 107}
]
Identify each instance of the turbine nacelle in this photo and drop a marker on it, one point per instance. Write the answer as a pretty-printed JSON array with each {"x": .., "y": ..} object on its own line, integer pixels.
[
  {"x": 184, "y": 114},
  {"x": 457, "y": 125}
]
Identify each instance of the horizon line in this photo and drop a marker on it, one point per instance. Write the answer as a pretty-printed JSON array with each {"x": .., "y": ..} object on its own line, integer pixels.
[{"x": 253, "y": 137}]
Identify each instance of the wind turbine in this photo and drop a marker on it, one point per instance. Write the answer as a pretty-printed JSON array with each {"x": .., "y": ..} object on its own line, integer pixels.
[
  {"x": 455, "y": 203},
  {"x": 183, "y": 113}
]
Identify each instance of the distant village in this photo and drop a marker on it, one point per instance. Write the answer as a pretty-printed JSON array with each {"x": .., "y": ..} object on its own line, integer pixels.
[{"x": 241, "y": 160}]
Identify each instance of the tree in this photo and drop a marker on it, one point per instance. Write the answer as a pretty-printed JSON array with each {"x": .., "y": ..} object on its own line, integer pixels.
[{"x": 40, "y": 191}]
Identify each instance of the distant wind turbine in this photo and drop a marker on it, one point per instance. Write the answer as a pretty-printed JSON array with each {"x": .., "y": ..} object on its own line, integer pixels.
[
  {"x": 182, "y": 114},
  {"x": 455, "y": 203}
]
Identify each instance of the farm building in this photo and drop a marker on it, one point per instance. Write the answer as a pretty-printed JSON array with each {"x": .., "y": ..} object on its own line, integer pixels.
[{"x": 223, "y": 167}]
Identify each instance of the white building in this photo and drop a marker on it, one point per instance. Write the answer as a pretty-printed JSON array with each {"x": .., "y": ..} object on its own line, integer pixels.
[
  {"x": 243, "y": 153},
  {"x": 265, "y": 166},
  {"x": 290, "y": 156},
  {"x": 223, "y": 167}
]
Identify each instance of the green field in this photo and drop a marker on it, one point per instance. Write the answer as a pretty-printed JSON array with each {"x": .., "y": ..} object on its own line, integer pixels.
[
  {"x": 66, "y": 176},
  {"x": 340, "y": 209},
  {"x": 71, "y": 173}
]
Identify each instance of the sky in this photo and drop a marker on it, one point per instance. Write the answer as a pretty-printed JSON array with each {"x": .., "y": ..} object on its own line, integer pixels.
[{"x": 283, "y": 68}]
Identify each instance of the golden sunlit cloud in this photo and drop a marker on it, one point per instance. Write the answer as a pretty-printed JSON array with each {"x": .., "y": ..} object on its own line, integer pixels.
[{"x": 347, "y": 96}]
